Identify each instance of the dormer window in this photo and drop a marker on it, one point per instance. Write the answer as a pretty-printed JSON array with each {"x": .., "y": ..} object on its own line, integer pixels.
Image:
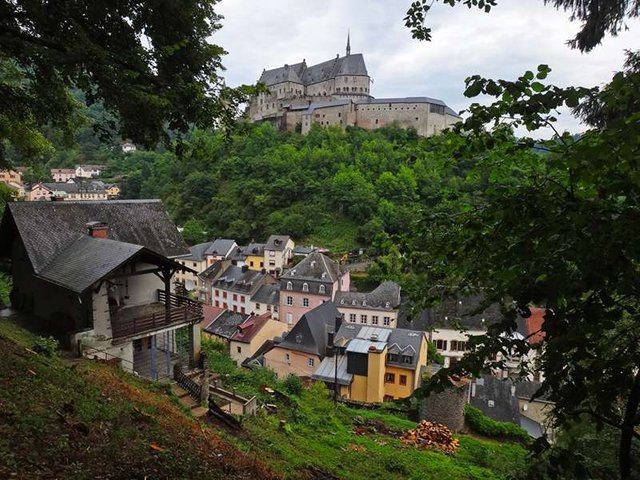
[
  {"x": 305, "y": 287},
  {"x": 289, "y": 286},
  {"x": 392, "y": 357},
  {"x": 322, "y": 289},
  {"x": 408, "y": 359},
  {"x": 387, "y": 305}
]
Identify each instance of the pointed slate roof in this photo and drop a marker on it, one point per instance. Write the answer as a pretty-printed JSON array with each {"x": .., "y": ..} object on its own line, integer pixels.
[{"x": 310, "y": 334}]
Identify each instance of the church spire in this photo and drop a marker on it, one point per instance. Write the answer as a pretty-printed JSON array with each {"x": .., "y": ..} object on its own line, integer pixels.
[{"x": 348, "y": 43}]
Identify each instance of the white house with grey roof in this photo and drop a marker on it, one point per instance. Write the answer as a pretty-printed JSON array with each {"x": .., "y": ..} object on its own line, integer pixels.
[
  {"x": 220, "y": 249},
  {"x": 337, "y": 93},
  {"x": 378, "y": 308},
  {"x": 277, "y": 252},
  {"x": 197, "y": 262},
  {"x": 98, "y": 276}
]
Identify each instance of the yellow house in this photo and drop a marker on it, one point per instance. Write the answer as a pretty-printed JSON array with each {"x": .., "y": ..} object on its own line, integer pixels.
[
  {"x": 375, "y": 364},
  {"x": 255, "y": 256},
  {"x": 113, "y": 191},
  {"x": 252, "y": 334}
]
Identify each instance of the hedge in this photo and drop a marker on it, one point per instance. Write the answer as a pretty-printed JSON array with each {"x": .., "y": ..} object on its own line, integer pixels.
[{"x": 482, "y": 425}]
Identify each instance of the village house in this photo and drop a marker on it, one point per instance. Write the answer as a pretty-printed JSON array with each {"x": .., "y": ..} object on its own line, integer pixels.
[
  {"x": 220, "y": 249},
  {"x": 113, "y": 191},
  {"x": 375, "y": 364},
  {"x": 128, "y": 147},
  {"x": 255, "y": 256},
  {"x": 277, "y": 253},
  {"x": 266, "y": 300},
  {"x": 13, "y": 180},
  {"x": 304, "y": 347},
  {"x": 234, "y": 288},
  {"x": 207, "y": 277},
  {"x": 93, "y": 190},
  {"x": 379, "y": 307},
  {"x": 63, "y": 175},
  {"x": 221, "y": 324},
  {"x": 252, "y": 334},
  {"x": 197, "y": 262},
  {"x": 313, "y": 281},
  {"x": 98, "y": 275},
  {"x": 89, "y": 171}
]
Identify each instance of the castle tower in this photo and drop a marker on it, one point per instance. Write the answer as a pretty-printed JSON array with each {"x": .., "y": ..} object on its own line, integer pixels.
[{"x": 348, "y": 43}]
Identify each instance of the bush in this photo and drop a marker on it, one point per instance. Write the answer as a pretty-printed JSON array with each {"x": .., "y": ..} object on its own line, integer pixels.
[
  {"x": 483, "y": 425},
  {"x": 293, "y": 385},
  {"x": 47, "y": 346}
]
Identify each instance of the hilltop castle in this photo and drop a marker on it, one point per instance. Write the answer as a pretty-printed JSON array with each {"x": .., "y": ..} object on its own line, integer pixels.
[{"x": 337, "y": 92}]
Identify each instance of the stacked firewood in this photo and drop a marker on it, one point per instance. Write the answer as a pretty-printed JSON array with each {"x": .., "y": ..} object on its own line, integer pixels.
[{"x": 431, "y": 435}]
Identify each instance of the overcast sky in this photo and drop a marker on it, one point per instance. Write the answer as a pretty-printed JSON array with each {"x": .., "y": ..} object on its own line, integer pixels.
[{"x": 515, "y": 36}]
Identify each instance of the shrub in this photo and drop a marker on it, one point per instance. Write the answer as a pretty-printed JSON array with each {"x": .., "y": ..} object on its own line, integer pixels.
[
  {"x": 483, "y": 425},
  {"x": 47, "y": 346},
  {"x": 293, "y": 385}
]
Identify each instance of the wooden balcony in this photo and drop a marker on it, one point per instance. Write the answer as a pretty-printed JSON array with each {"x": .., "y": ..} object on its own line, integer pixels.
[{"x": 139, "y": 319}]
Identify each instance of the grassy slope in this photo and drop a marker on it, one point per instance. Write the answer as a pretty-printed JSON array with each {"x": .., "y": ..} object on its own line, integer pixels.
[
  {"x": 94, "y": 421},
  {"x": 336, "y": 233},
  {"x": 319, "y": 438}
]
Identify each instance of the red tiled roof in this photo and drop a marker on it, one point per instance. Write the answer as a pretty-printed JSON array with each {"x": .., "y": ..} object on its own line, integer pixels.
[
  {"x": 534, "y": 325},
  {"x": 210, "y": 313},
  {"x": 250, "y": 328}
]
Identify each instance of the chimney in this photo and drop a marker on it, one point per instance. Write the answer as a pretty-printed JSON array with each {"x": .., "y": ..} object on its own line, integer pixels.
[{"x": 98, "y": 229}]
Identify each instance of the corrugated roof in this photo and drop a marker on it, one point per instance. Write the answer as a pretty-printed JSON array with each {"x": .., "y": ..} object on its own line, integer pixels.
[
  {"x": 326, "y": 371},
  {"x": 360, "y": 345}
]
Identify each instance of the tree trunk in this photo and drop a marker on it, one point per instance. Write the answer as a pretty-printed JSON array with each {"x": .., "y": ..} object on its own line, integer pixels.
[{"x": 626, "y": 437}]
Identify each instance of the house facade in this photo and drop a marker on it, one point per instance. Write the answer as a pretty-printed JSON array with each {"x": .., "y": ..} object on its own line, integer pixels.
[
  {"x": 197, "y": 262},
  {"x": 220, "y": 249},
  {"x": 252, "y": 334},
  {"x": 312, "y": 282},
  {"x": 267, "y": 300},
  {"x": 304, "y": 347},
  {"x": 277, "y": 252},
  {"x": 233, "y": 289},
  {"x": 63, "y": 175},
  {"x": 98, "y": 275},
  {"x": 74, "y": 191},
  {"x": 255, "y": 256},
  {"x": 89, "y": 171},
  {"x": 379, "y": 307},
  {"x": 375, "y": 364}
]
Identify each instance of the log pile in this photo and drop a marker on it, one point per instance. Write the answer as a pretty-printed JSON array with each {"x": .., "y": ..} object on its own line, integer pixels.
[{"x": 431, "y": 435}]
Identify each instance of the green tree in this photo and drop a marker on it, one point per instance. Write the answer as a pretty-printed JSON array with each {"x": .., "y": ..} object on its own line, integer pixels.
[
  {"x": 194, "y": 231},
  {"x": 150, "y": 64}
]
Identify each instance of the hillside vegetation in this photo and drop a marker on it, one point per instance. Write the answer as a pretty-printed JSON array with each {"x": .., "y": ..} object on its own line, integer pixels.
[{"x": 93, "y": 421}]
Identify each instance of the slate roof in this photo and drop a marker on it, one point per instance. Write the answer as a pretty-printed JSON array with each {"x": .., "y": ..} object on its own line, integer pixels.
[
  {"x": 72, "y": 187},
  {"x": 226, "y": 324},
  {"x": 241, "y": 280},
  {"x": 213, "y": 271},
  {"x": 310, "y": 334},
  {"x": 313, "y": 106},
  {"x": 526, "y": 391},
  {"x": 277, "y": 242},
  {"x": 353, "y": 64},
  {"x": 267, "y": 294},
  {"x": 315, "y": 269},
  {"x": 302, "y": 250},
  {"x": 86, "y": 261},
  {"x": 49, "y": 228},
  {"x": 209, "y": 314},
  {"x": 197, "y": 252},
  {"x": 253, "y": 248},
  {"x": 387, "y": 293},
  {"x": 454, "y": 314},
  {"x": 221, "y": 247}
]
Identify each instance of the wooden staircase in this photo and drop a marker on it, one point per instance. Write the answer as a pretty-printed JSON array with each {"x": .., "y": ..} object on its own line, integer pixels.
[{"x": 185, "y": 399}]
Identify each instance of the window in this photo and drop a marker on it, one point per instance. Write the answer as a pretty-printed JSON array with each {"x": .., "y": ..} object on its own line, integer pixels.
[
  {"x": 251, "y": 264},
  {"x": 321, "y": 289},
  {"x": 268, "y": 308},
  {"x": 289, "y": 286},
  {"x": 217, "y": 303},
  {"x": 289, "y": 318},
  {"x": 195, "y": 264},
  {"x": 392, "y": 357},
  {"x": 287, "y": 357},
  {"x": 403, "y": 380},
  {"x": 242, "y": 310},
  {"x": 305, "y": 302},
  {"x": 376, "y": 121},
  {"x": 239, "y": 349},
  {"x": 272, "y": 253},
  {"x": 257, "y": 306},
  {"x": 224, "y": 294},
  {"x": 389, "y": 378},
  {"x": 374, "y": 320},
  {"x": 261, "y": 264},
  {"x": 386, "y": 321},
  {"x": 305, "y": 287},
  {"x": 242, "y": 298},
  {"x": 441, "y": 344},
  {"x": 363, "y": 319},
  {"x": 454, "y": 345},
  {"x": 408, "y": 359},
  {"x": 235, "y": 297},
  {"x": 352, "y": 317},
  {"x": 289, "y": 300},
  {"x": 310, "y": 362},
  {"x": 217, "y": 292}
]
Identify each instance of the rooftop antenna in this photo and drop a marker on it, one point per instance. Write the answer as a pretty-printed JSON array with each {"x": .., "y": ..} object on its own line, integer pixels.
[{"x": 348, "y": 42}]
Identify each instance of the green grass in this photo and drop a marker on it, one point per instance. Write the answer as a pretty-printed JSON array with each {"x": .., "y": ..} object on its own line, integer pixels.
[
  {"x": 362, "y": 282},
  {"x": 93, "y": 420},
  {"x": 483, "y": 425},
  {"x": 336, "y": 233}
]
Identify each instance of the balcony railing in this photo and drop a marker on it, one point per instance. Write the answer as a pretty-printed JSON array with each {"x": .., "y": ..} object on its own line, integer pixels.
[{"x": 135, "y": 320}]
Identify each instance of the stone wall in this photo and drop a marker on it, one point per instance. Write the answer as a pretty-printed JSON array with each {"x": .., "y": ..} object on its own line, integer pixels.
[{"x": 446, "y": 407}]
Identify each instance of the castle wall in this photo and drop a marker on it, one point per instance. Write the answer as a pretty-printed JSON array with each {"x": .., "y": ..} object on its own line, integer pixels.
[{"x": 417, "y": 115}]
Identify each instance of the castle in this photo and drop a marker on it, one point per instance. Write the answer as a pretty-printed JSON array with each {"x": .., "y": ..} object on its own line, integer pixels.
[{"x": 338, "y": 92}]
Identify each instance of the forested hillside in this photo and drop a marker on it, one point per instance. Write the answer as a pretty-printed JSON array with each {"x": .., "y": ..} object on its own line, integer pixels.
[{"x": 331, "y": 187}]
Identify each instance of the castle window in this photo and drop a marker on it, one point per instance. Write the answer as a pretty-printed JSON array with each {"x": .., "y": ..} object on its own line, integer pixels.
[
  {"x": 416, "y": 119},
  {"x": 289, "y": 286},
  {"x": 338, "y": 89},
  {"x": 339, "y": 114},
  {"x": 376, "y": 121}
]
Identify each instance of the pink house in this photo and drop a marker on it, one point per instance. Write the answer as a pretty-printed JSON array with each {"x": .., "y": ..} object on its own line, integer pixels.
[{"x": 315, "y": 280}]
